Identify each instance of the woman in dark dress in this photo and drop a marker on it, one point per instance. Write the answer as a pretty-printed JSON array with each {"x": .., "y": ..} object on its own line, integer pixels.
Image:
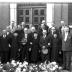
[
  {"x": 35, "y": 48},
  {"x": 55, "y": 47}
]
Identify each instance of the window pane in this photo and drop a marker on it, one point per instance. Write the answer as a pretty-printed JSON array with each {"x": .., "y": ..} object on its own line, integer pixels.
[
  {"x": 20, "y": 19},
  {"x": 27, "y": 19},
  {"x": 27, "y": 12},
  {"x": 41, "y": 12},
  {"x": 35, "y": 12},
  {"x": 41, "y": 18},
  {"x": 35, "y": 19},
  {"x": 20, "y": 12}
]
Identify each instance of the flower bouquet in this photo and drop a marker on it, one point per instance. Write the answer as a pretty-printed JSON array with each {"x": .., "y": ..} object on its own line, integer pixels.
[{"x": 52, "y": 67}]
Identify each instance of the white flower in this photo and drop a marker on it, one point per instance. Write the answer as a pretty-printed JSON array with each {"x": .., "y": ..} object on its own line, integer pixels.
[
  {"x": 18, "y": 70},
  {"x": 54, "y": 63},
  {"x": 24, "y": 70},
  {"x": 52, "y": 66},
  {"x": 18, "y": 63},
  {"x": 48, "y": 43},
  {"x": 13, "y": 61},
  {"x": 25, "y": 64}
]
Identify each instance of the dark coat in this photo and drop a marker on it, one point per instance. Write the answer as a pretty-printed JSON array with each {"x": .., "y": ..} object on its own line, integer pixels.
[
  {"x": 67, "y": 45},
  {"x": 47, "y": 43},
  {"x": 55, "y": 48},
  {"x": 4, "y": 43},
  {"x": 35, "y": 49},
  {"x": 40, "y": 30},
  {"x": 14, "y": 46},
  {"x": 44, "y": 42}
]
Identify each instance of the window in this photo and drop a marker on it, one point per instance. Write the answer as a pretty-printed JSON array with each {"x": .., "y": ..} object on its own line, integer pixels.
[
  {"x": 27, "y": 12},
  {"x": 20, "y": 19},
  {"x": 27, "y": 20},
  {"x": 36, "y": 20},
  {"x": 20, "y": 12},
  {"x": 42, "y": 12},
  {"x": 35, "y": 12},
  {"x": 41, "y": 18}
]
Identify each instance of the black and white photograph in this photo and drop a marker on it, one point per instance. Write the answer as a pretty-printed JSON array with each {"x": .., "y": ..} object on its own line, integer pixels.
[{"x": 35, "y": 36}]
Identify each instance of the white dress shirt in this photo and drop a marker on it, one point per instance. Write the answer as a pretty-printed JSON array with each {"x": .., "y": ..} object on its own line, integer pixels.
[
  {"x": 25, "y": 35},
  {"x": 66, "y": 35},
  {"x": 4, "y": 36}
]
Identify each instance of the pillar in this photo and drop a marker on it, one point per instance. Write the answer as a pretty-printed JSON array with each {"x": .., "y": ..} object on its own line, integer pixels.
[
  {"x": 13, "y": 13},
  {"x": 50, "y": 14}
]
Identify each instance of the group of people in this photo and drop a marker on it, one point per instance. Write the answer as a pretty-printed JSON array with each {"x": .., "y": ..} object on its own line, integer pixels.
[{"x": 36, "y": 45}]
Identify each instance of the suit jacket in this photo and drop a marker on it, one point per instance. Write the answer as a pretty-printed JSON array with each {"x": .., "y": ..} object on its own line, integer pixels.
[
  {"x": 40, "y": 30},
  {"x": 4, "y": 44},
  {"x": 45, "y": 41},
  {"x": 67, "y": 45}
]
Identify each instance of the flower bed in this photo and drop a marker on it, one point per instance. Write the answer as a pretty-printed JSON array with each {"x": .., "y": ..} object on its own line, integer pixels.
[{"x": 15, "y": 66}]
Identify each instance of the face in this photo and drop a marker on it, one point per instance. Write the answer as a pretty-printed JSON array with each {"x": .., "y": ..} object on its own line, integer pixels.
[
  {"x": 62, "y": 23},
  {"x": 4, "y": 32},
  {"x": 25, "y": 30},
  {"x": 42, "y": 26},
  {"x": 66, "y": 30},
  {"x": 19, "y": 27},
  {"x": 22, "y": 25},
  {"x": 55, "y": 35},
  {"x": 15, "y": 34},
  {"x": 43, "y": 22},
  {"x": 33, "y": 29},
  {"x": 35, "y": 34}
]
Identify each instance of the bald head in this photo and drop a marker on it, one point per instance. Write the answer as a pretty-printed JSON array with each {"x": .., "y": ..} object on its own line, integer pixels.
[
  {"x": 62, "y": 23},
  {"x": 4, "y": 32},
  {"x": 25, "y": 30},
  {"x": 43, "y": 21},
  {"x": 33, "y": 29},
  {"x": 66, "y": 29},
  {"x": 44, "y": 32}
]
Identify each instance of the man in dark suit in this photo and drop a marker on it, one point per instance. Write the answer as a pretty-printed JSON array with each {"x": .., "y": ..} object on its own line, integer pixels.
[
  {"x": 45, "y": 44},
  {"x": 4, "y": 47},
  {"x": 67, "y": 48},
  {"x": 24, "y": 44},
  {"x": 14, "y": 46},
  {"x": 30, "y": 42},
  {"x": 42, "y": 27}
]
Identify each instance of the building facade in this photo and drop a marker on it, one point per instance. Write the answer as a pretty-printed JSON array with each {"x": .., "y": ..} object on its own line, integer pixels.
[{"x": 34, "y": 13}]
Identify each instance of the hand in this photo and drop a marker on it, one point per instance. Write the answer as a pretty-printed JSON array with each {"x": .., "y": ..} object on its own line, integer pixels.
[
  {"x": 59, "y": 52},
  {"x": 9, "y": 45},
  {"x": 23, "y": 43},
  {"x": 29, "y": 49},
  {"x": 48, "y": 43},
  {"x": 43, "y": 47},
  {"x": 31, "y": 43},
  {"x": 19, "y": 50}
]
